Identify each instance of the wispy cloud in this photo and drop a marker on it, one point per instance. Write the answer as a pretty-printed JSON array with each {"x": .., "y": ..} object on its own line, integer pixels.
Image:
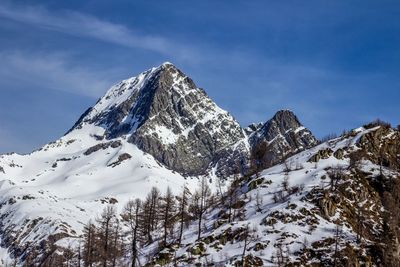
[
  {"x": 86, "y": 25},
  {"x": 50, "y": 71},
  {"x": 250, "y": 82}
]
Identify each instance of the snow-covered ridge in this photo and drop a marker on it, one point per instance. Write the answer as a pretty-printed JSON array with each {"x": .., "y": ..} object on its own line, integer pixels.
[
  {"x": 118, "y": 93},
  {"x": 56, "y": 190},
  {"x": 155, "y": 129}
]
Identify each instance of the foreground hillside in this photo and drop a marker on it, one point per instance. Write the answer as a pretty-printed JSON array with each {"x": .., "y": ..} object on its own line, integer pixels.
[{"x": 336, "y": 204}]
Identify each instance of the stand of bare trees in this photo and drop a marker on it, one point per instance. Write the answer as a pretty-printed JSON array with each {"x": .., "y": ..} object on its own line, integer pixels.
[
  {"x": 160, "y": 217},
  {"x": 102, "y": 240}
]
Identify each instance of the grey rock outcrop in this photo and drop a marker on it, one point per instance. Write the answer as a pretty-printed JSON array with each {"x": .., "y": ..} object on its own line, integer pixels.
[{"x": 283, "y": 135}]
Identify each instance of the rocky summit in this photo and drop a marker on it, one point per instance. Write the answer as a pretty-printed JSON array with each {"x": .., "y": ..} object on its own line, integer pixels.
[
  {"x": 282, "y": 136},
  {"x": 165, "y": 114}
]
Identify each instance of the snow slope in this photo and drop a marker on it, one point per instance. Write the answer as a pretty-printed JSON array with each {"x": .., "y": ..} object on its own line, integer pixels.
[{"x": 58, "y": 188}]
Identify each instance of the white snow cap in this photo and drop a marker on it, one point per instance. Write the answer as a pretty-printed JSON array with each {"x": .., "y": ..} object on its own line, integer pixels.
[{"x": 167, "y": 63}]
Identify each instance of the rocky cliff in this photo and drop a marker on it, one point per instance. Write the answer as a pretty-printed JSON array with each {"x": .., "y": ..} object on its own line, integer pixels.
[
  {"x": 283, "y": 135},
  {"x": 165, "y": 114}
]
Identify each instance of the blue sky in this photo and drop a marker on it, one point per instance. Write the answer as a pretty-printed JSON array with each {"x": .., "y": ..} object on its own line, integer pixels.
[{"x": 334, "y": 63}]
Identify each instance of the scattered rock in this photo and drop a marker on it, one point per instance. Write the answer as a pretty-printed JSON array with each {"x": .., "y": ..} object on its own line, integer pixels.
[
  {"x": 321, "y": 154},
  {"x": 103, "y": 146},
  {"x": 121, "y": 158}
]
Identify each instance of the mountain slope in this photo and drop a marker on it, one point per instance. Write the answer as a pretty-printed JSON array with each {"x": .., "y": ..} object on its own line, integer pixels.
[
  {"x": 327, "y": 206},
  {"x": 55, "y": 190}
]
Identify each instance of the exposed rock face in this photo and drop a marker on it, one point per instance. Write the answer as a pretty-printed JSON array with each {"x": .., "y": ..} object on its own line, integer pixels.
[
  {"x": 121, "y": 158},
  {"x": 254, "y": 127},
  {"x": 321, "y": 154},
  {"x": 165, "y": 114},
  {"x": 283, "y": 134},
  {"x": 102, "y": 146},
  {"x": 383, "y": 145}
]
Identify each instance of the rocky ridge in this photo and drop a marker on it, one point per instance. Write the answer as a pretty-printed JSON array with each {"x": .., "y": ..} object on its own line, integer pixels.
[
  {"x": 283, "y": 135},
  {"x": 165, "y": 114}
]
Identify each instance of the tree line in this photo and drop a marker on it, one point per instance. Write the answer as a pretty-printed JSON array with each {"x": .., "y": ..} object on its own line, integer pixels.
[{"x": 160, "y": 218}]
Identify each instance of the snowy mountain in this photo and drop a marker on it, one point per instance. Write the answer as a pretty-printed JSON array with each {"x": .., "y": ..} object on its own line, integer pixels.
[
  {"x": 166, "y": 115},
  {"x": 155, "y": 129}
]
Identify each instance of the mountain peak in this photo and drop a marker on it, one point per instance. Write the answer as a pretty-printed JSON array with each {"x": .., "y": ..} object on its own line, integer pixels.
[
  {"x": 284, "y": 134},
  {"x": 285, "y": 112},
  {"x": 123, "y": 101},
  {"x": 286, "y": 119},
  {"x": 165, "y": 114},
  {"x": 167, "y": 63}
]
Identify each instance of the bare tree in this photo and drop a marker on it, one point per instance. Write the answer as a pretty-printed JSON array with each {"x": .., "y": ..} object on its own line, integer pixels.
[
  {"x": 249, "y": 236},
  {"x": 220, "y": 184},
  {"x": 328, "y": 137},
  {"x": 131, "y": 215},
  {"x": 89, "y": 235},
  {"x": 105, "y": 221},
  {"x": 116, "y": 246},
  {"x": 79, "y": 255},
  {"x": 68, "y": 255},
  {"x": 200, "y": 201},
  {"x": 183, "y": 202},
  {"x": 305, "y": 243},
  {"x": 281, "y": 258},
  {"x": 167, "y": 209},
  {"x": 338, "y": 233},
  {"x": 336, "y": 174},
  {"x": 232, "y": 197},
  {"x": 360, "y": 217},
  {"x": 150, "y": 216}
]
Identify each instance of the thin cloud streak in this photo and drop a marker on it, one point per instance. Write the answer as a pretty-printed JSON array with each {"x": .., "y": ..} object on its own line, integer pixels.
[
  {"x": 50, "y": 71},
  {"x": 85, "y": 25},
  {"x": 220, "y": 69}
]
